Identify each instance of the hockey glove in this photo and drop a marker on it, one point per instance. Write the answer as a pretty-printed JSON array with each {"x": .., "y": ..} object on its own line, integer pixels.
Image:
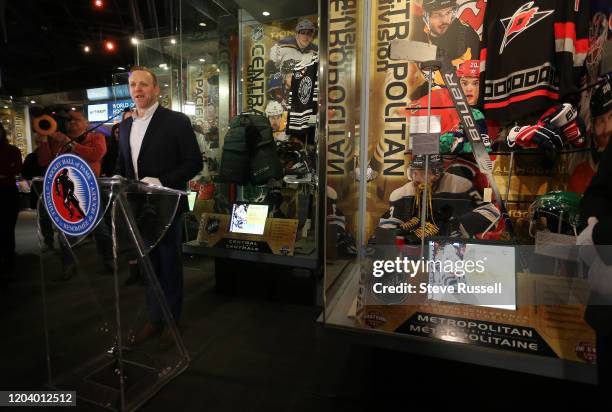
[{"x": 537, "y": 136}]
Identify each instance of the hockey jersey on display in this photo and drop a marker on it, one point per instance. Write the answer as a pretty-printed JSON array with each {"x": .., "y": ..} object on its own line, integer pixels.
[
  {"x": 532, "y": 55},
  {"x": 452, "y": 196},
  {"x": 303, "y": 98}
]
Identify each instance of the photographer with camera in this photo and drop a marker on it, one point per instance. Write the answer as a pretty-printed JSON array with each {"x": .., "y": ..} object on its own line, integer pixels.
[{"x": 90, "y": 146}]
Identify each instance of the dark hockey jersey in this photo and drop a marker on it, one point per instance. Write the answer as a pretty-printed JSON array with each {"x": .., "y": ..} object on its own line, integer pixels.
[
  {"x": 532, "y": 55},
  {"x": 303, "y": 97},
  {"x": 452, "y": 197}
]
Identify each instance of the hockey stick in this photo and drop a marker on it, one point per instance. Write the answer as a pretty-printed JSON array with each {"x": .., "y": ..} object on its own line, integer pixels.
[{"x": 464, "y": 110}]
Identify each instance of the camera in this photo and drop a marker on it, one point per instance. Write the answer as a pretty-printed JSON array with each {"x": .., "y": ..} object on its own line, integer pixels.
[{"x": 46, "y": 121}]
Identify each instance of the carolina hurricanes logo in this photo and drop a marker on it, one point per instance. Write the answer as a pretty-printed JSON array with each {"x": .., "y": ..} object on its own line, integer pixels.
[{"x": 522, "y": 19}]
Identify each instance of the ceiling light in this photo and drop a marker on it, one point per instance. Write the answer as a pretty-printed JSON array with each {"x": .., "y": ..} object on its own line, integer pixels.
[
  {"x": 98, "y": 4},
  {"x": 162, "y": 65},
  {"x": 202, "y": 60},
  {"x": 203, "y": 24},
  {"x": 74, "y": 108},
  {"x": 120, "y": 68},
  {"x": 86, "y": 49},
  {"x": 166, "y": 85},
  {"x": 33, "y": 101},
  {"x": 266, "y": 13},
  {"x": 6, "y": 107},
  {"x": 134, "y": 40},
  {"x": 109, "y": 45},
  {"x": 172, "y": 41}
]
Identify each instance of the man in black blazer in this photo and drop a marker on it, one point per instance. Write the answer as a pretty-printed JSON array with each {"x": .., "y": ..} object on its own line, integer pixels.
[{"x": 158, "y": 146}]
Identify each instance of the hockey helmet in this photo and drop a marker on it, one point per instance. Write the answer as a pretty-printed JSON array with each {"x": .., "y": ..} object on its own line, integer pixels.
[
  {"x": 275, "y": 81},
  {"x": 469, "y": 68},
  {"x": 305, "y": 24},
  {"x": 559, "y": 210}
]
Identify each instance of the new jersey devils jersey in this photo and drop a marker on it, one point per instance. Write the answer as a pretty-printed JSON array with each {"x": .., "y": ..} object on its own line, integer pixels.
[
  {"x": 532, "y": 55},
  {"x": 303, "y": 98}
]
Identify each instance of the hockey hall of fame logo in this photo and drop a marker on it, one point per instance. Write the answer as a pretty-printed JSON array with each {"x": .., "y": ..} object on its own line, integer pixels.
[{"x": 71, "y": 195}]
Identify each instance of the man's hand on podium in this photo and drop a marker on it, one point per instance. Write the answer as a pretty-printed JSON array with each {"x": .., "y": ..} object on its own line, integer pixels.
[{"x": 151, "y": 181}]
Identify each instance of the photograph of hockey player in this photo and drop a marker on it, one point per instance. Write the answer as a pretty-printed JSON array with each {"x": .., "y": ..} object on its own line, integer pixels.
[
  {"x": 445, "y": 30},
  {"x": 276, "y": 89},
  {"x": 441, "y": 102},
  {"x": 445, "y": 252},
  {"x": 601, "y": 109},
  {"x": 454, "y": 207},
  {"x": 277, "y": 116},
  {"x": 296, "y": 48},
  {"x": 452, "y": 138}
]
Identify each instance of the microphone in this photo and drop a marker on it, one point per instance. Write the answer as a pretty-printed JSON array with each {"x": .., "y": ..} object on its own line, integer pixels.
[{"x": 80, "y": 137}]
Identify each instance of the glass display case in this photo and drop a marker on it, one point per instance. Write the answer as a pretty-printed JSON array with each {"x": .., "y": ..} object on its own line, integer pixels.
[
  {"x": 409, "y": 191},
  {"x": 248, "y": 80}
]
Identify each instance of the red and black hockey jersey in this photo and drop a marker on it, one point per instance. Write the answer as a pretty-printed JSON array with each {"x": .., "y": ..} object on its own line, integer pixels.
[
  {"x": 532, "y": 55},
  {"x": 303, "y": 98}
]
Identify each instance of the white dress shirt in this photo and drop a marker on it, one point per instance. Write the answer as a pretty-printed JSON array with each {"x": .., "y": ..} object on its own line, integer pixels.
[{"x": 140, "y": 122}]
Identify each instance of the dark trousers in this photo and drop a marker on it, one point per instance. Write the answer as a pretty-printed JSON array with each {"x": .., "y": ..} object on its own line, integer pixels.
[
  {"x": 46, "y": 226},
  {"x": 44, "y": 221},
  {"x": 9, "y": 209},
  {"x": 104, "y": 243},
  {"x": 167, "y": 261}
]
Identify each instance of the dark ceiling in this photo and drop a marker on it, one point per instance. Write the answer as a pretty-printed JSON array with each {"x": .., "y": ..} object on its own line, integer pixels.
[{"x": 41, "y": 41}]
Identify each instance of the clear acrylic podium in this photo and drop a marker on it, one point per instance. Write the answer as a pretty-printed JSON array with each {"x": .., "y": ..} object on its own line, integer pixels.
[{"x": 91, "y": 313}]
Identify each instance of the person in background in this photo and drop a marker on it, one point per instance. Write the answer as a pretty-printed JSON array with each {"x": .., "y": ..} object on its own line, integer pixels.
[
  {"x": 32, "y": 169},
  {"x": 601, "y": 109},
  {"x": 170, "y": 157},
  {"x": 109, "y": 161},
  {"x": 90, "y": 146},
  {"x": 596, "y": 242},
  {"x": 10, "y": 166}
]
